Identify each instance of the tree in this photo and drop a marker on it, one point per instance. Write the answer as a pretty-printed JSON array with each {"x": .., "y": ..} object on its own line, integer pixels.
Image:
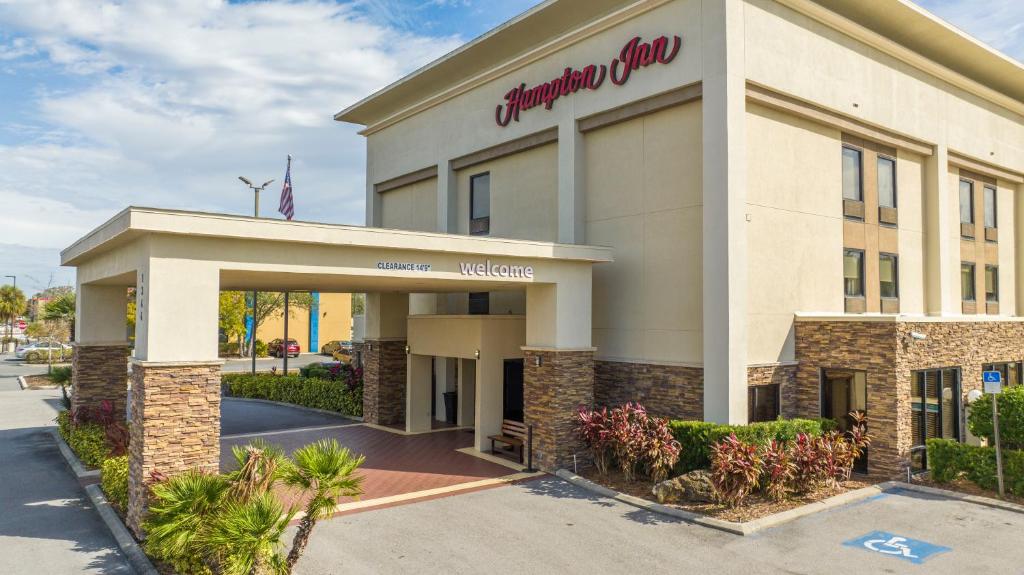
[
  {"x": 12, "y": 304},
  {"x": 358, "y": 304},
  {"x": 269, "y": 304},
  {"x": 232, "y": 311},
  {"x": 326, "y": 472},
  {"x": 61, "y": 310}
]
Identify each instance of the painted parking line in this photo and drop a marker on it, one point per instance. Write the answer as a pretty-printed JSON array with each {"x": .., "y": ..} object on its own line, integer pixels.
[{"x": 884, "y": 543}]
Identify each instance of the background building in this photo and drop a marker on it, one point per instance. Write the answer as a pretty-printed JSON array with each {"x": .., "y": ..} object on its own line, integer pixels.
[{"x": 328, "y": 318}]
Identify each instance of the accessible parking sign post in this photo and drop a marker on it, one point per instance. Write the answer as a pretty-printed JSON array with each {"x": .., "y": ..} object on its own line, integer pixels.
[{"x": 993, "y": 383}]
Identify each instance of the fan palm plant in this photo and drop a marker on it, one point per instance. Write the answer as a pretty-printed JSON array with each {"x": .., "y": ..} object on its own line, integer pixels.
[
  {"x": 260, "y": 466},
  {"x": 246, "y": 536},
  {"x": 326, "y": 472},
  {"x": 181, "y": 511}
]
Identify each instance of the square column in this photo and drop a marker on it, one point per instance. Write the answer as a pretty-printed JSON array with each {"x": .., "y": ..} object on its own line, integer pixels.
[
  {"x": 941, "y": 238},
  {"x": 417, "y": 399},
  {"x": 555, "y": 384},
  {"x": 99, "y": 366},
  {"x": 384, "y": 358},
  {"x": 175, "y": 426},
  {"x": 467, "y": 392}
]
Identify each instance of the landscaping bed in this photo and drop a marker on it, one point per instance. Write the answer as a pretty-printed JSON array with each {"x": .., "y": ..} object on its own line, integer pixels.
[
  {"x": 338, "y": 389},
  {"x": 967, "y": 487},
  {"x": 755, "y": 506},
  {"x": 39, "y": 382}
]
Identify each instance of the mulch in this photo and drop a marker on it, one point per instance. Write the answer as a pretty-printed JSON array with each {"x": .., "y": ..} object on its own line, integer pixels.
[
  {"x": 968, "y": 488},
  {"x": 755, "y": 506},
  {"x": 40, "y": 382}
]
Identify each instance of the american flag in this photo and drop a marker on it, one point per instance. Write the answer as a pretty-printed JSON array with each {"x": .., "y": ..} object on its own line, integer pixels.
[{"x": 287, "y": 206}]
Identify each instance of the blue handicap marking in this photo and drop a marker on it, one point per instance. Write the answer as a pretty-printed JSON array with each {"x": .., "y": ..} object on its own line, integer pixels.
[
  {"x": 991, "y": 377},
  {"x": 903, "y": 547}
]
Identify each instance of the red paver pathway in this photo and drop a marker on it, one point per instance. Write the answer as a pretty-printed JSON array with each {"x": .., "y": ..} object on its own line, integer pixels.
[{"x": 395, "y": 464}]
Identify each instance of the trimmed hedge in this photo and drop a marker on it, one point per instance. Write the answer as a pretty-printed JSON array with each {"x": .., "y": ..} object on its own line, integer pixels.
[
  {"x": 697, "y": 437},
  {"x": 87, "y": 440},
  {"x": 114, "y": 481},
  {"x": 307, "y": 392},
  {"x": 1011, "y": 417},
  {"x": 949, "y": 460}
]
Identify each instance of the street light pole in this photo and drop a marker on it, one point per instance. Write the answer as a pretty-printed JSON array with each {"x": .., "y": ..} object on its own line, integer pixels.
[
  {"x": 10, "y": 333},
  {"x": 256, "y": 214}
]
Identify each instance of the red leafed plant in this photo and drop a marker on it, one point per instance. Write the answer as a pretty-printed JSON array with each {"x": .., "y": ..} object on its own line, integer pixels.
[
  {"x": 593, "y": 427},
  {"x": 807, "y": 462},
  {"x": 779, "y": 469},
  {"x": 736, "y": 468},
  {"x": 627, "y": 427},
  {"x": 660, "y": 448},
  {"x": 106, "y": 416}
]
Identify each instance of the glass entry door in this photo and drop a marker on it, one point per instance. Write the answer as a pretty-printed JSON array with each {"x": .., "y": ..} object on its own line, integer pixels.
[
  {"x": 844, "y": 391},
  {"x": 935, "y": 409}
]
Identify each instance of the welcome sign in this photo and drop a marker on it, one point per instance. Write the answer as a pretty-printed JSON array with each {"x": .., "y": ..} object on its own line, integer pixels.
[
  {"x": 487, "y": 269},
  {"x": 634, "y": 55}
]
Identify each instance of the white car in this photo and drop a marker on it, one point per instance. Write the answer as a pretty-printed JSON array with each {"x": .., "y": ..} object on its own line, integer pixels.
[{"x": 40, "y": 350}]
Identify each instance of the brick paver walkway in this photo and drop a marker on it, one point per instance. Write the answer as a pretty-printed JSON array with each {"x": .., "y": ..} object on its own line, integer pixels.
[{"x": 395, "y": 464}]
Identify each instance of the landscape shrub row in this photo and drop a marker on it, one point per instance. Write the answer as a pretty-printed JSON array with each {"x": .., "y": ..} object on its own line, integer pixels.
[
  {"x": 949, "y": 460},
  {"x": 637, "y": 443},
  {"x": 343, "y": 395},
  {"x": 697, "y": 437},
  {"x": 87, "y": 440},
  {"x": 114, "y": 481}
]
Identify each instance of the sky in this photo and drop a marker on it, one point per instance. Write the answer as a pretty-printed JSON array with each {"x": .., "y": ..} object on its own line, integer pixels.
[{"x": 164, "y": 104}]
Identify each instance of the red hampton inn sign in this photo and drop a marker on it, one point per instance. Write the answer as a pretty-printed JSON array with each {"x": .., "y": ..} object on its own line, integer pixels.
[{"x": 635, "y": 54}]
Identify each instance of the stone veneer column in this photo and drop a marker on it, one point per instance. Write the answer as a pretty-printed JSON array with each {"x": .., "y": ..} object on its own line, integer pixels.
[
  {"x": 384, "y": 375},
  {"x": 552, "y": 392},
  {"x": 175, "y": 426},
  {"x": 99, "y": 373}
]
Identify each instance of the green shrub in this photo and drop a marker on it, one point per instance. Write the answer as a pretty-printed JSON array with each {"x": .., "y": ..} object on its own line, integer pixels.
[
  {"x": 697, "y": 437},
  {"x": 1011, "y": 417},
  {"x": 36, "y": 357},
  {"x": 87, "y": 440},
  {"x": 61, "y": 375},
  {"x": 261, "y": 349},
  {"x": 307, "y": 392},
  {"x": 949, "y": 460},
  {"x": 114, "y": 481}
]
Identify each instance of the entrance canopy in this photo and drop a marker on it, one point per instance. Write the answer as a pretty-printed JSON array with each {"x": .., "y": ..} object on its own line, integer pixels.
[{"x": 179, "y": 261}]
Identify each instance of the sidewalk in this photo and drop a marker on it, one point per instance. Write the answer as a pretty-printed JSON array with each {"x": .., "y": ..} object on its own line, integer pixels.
[{"x": 46, "y": 523}]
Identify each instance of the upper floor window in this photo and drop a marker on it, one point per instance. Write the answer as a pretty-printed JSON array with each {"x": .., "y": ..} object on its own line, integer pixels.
[
  {"x": 853, "y": 187},
  {"x": 966, "y": 202},
  {"x": 886, "y": 182},
  {"x": 991, "y": 284},
  {"x": 853, "y": 273},
  {"x": 480, "y": 204},
  {"x": 967, "y": 281},
  {"x": 990, "y": 207},
  {"x": 479, "y": 303},
  {"x": 887, "y": 276}
]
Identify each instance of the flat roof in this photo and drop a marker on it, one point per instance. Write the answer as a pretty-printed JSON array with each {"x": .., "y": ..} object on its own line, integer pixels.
[
  {"x": 134, "y": 222},
  {"x": 899, "y": 20}
]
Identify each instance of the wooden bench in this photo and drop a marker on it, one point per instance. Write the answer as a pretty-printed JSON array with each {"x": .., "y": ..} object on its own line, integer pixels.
[{"x": 513, "y": 434}]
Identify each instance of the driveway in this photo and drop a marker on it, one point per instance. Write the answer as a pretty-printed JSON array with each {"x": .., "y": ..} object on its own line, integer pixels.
[
  {"x": 550, "y": 526},
  {"x": 242, "y": 365},
  {"x": 46, "y": 522}
]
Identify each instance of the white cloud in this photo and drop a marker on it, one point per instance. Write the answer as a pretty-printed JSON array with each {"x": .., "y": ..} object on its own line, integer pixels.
[
  {"x": 180, "y": 98},
  {"x": 998, "y": 23}
]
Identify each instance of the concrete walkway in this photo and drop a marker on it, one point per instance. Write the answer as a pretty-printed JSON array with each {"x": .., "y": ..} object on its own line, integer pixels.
[{"x": 46, "y": 522}]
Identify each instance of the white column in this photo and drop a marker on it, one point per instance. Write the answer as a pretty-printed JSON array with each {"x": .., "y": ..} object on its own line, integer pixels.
[
  {"x": 558, "y": 316},
  {"x": 387, "y": 315},
  {"x": 467, "y": 392},
  {"x": 176, "y": 311},
  {"x": 490, "y": 399},
  {"x": 942, "y": 237},
  {"x": 417, "y": 393},
  {"x": 571, "y": 193},
  {"x": 724, "y": 210},
  {"x": 100, "y": 314},
  {"x": 373, "y": 215}
]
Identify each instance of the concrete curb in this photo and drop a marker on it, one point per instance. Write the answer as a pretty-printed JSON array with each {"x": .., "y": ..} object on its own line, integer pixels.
[
  {"x": 746, "y": 528},
  {"x": 358, "y": 418},
  {"x": 976, "y": 499},
  {"x": 136, "y": 556},
  {"x": 22, "y": 382},
  {"x": 72, "y": 460}
]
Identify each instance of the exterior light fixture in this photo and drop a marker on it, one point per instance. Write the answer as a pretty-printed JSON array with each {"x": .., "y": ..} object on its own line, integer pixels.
[
  {"x": 406, "y": 350},
  {"x": 538, "y": 360},
  {"x": 477, "y": 354},
  {"x": 914, "y": 336},
  {"x": 974, "y": 395}
]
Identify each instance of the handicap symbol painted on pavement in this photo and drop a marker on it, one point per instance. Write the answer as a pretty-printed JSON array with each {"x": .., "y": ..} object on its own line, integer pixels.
[{"x": 888, "y": 544}]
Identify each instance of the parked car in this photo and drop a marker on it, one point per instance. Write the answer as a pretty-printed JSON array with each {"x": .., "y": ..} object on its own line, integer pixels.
[
  {"x": 344, "y": 352},
  {"x": 41, "y": 349},
  {"x": 276, "y": 348},
  {"x": 330, "y": 347}
]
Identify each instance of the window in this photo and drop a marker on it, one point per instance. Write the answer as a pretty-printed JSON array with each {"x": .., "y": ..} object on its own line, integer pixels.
[
  {"x": 886, "y": 182},
  {"x": 992, "y": 284},
  {"x": 762, "y": 403},
  {"x": 967, "y": 281},
  {"x": 479, "y": 303},
  {"x": 852, "y": 186},
  {"x": 966, "y": 202},
  {"x": 887, "y": 276},
  {"x": 935, "y": 408},
  {"x": 480, "y": 204},
  {"x": 853, "y": 273},
  {"x": 1011, "y": 371},
  {"x": 990, "y": 207}
]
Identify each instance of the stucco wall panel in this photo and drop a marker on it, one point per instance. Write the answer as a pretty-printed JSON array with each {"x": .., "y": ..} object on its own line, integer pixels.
[{"x": 411, "y": 207}]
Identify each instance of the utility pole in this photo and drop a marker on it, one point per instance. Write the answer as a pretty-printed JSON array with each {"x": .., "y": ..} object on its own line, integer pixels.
[
  {"x": 256, "y": 214},
  {"x": 11, "y": 330}
]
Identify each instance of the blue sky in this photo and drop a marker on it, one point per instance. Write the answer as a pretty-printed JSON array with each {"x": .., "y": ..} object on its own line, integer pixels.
[{"x": 104, "y": 103}]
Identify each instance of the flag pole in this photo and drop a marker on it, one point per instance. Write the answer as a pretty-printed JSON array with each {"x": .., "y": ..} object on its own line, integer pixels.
[{"x": 288, "y": 172}]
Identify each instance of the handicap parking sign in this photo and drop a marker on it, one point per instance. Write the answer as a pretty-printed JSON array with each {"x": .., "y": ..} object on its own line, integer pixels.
[{"x": 893, "y": 545}]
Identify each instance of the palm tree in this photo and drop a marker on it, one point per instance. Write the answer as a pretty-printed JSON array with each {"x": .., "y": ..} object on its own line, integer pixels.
[
  {"x": 12, "y": 304},
  {"x": 62, "y": 310},
  {"x": 325, "y": 471},
  {"x": 181, "y": 511},
  {"x": 246, "y": 536}
]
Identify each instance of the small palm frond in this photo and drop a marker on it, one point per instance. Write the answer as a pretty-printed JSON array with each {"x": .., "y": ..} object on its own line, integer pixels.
[
  {"x": 248, "y": 534},
  {"x": 179, "y": 510},
  {"x": 328, "y": 471},
  {"x": 260, "y": 466}
]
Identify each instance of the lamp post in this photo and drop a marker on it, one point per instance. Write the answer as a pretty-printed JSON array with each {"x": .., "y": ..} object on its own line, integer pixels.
[
  {"x": 256, "y": 214},
  {"x": 11, "y": 331}
]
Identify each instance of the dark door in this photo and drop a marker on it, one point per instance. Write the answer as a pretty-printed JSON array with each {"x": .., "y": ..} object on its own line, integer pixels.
[
  {"x": 513, "y": 390},
  {"x": 842, "y": 392},
  {"x": 433, "y": 388},
  {"x": 935, "y": 409}
]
